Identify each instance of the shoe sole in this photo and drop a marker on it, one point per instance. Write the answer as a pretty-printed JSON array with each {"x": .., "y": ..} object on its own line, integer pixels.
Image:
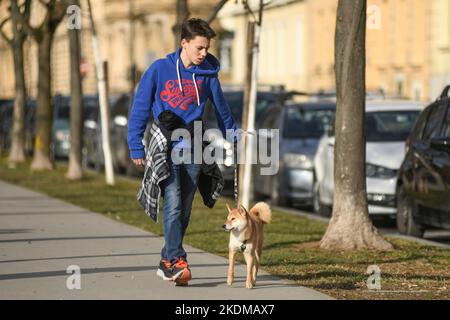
[
  {"x": 182, "y": 279},
  {"x": 161, "y": 274},
  {"x": 177, "y": 279}
]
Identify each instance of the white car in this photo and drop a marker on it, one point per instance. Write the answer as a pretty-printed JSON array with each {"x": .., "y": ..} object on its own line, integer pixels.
[{"x": 388, "y": 124}]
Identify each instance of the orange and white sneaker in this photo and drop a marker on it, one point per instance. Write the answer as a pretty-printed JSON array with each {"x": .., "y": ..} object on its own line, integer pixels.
[
  {"x": 181, "y": 272},
  {"x": 164, "y": 270}
]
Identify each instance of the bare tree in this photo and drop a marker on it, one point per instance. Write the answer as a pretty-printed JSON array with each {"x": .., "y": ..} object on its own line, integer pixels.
[
  {"x": 17, "y": 152},
  {"x": 43, "y": 35},
  {"x": 350, "y": 227},
  {"x": 75, "y": 171}
]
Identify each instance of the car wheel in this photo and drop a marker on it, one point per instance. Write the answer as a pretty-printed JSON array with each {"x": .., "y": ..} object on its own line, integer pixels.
[{"x": 406, "y": 208}]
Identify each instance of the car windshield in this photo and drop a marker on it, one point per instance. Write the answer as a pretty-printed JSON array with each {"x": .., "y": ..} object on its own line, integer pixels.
[
  {"x": 90, "y": 111},
  {"x": 389, "y": 125},
  {"x": 307, "y": 123}
]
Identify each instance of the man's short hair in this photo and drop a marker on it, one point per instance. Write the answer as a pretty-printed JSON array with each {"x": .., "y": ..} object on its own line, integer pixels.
[{"x": 196, "y": 27}]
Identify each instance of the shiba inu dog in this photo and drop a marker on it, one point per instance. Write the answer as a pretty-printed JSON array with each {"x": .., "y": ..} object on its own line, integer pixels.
[{"x": 246, "y": 235}]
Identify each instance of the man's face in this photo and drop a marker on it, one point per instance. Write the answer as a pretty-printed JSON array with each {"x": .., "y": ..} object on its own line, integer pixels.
[{"x": 196, "y": 49}]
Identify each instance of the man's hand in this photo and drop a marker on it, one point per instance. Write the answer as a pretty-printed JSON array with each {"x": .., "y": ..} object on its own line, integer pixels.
[{"x": 139, "y": 162}]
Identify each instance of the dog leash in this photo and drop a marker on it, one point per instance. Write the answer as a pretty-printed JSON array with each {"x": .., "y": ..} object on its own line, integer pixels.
[{"x": 236, "y": 178}]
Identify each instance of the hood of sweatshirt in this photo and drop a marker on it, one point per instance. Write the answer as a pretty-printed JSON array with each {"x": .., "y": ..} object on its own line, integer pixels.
[{"x": 210, "y": 66}]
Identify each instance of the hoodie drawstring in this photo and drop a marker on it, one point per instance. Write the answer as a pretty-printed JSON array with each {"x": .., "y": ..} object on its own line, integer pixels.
[
  {"x": 196, "y": 89},
  {"x": 181, "y": 86},
  {"x": 179, "y": 78}
]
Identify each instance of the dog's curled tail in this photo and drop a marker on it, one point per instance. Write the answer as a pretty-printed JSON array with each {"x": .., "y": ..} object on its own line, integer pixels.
[{"x": 262, "y": 211}]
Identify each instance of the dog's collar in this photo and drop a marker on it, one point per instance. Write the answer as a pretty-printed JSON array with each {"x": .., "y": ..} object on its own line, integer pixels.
[{"x": 243, "y": 245}]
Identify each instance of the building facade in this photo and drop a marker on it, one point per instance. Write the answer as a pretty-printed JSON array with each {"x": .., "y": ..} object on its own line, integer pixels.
[
  {"x": 129, "y": 32},
  {"x": 407, "y": 45}
]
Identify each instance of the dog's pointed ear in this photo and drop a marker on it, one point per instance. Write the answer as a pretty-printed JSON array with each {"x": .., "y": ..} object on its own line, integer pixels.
[
  {"x": 228, "y": 207},
  {"x": 242, "y": 210}
]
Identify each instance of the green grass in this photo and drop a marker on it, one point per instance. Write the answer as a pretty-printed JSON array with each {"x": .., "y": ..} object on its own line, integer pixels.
[{"x": 411, "y": 271}]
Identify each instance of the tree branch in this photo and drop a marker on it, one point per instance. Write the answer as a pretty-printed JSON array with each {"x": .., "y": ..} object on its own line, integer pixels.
[
  {"x": 56, "y": 12},
  {"x": 9, "y": 41},
  {"x": 63, "y": 5},
  {"x": 27, "y": 10},
  {"x": 267, "y": 3},
  {"x": 23, "y": 20},
  {"x": 216, "y": 10},
  {"x": 25, "y": 7},
  {"x": 249, "y": 10},
  {"x": 44, "y": 3}
]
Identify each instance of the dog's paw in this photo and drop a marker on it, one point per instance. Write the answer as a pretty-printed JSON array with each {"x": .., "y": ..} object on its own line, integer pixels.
[
  {"x": 249, "y": 285},
  {"x": 230, "y": 281}
]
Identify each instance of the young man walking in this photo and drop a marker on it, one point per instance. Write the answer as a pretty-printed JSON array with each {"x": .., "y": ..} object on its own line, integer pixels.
[{"x": 175, "y": 89}]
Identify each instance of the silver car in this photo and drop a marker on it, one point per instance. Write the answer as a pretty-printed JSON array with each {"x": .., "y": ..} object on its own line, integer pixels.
[{"x": 301, "y": 126}]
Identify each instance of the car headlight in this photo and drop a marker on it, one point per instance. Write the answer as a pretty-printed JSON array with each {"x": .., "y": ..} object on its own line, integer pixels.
[
  {"x": 299, "y": 161},
  {"x": 62, "y": 135},
  {"x": 373, "y": 171}
]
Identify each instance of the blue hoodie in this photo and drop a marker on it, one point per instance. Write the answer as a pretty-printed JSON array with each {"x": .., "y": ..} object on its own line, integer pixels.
[{"x": 160, "y": 89}]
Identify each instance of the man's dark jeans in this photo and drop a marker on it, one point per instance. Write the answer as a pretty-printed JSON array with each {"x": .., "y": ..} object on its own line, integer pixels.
[{"x": 178, "y": 192}]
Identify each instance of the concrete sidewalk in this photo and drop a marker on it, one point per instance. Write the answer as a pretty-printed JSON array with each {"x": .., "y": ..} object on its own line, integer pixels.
[{"x": 40, "y": 237}]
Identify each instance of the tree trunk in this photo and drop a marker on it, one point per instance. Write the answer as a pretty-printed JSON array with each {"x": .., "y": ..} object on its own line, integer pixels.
[
  {"x": 182, "y": 15},
  {"x": 75, "y": 171},
  {"x": 44, "y": 111},
  {"x": 17, "y": 153},
  {"x": 350, "y": 227}
]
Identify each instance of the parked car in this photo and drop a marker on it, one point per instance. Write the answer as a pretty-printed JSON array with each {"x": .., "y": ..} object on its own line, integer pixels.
[
  {"x": 6, "y": 112},
  {"x": 91, "y": 150},
  {"x": 301, "y": 126},
  {"x": 92, "y": 137},
  {"x": 388, "y": 124},
  {"x": 119, "y": 132},
  {"x": 60, "y": 143},
  {"x": 235, "y": 99},
  {"x": 6, "y": 122},
  {"x": 423, "y": 185}
]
